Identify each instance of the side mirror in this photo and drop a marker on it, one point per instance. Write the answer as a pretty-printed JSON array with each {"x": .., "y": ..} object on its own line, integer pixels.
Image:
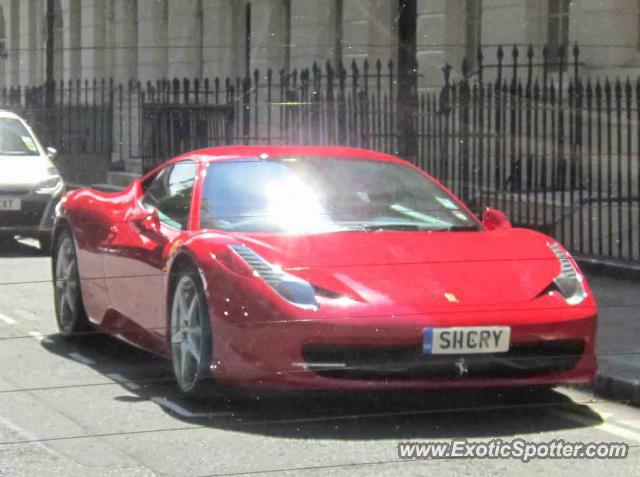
[
  {"x": 493, "y": 219},
  {"x": 52, "y": 152},
  {"x": 147, "y": 221}
]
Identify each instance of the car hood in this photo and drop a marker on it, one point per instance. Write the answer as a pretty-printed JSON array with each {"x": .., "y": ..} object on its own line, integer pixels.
[
  {"x": 418, "y": 268},
  {"x": 19, "y": 172}
]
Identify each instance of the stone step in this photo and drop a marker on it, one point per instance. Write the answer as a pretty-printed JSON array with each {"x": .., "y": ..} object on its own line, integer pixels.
[
  {"x": 133, "y": 165},
  {"x": 121, "y": 179}
]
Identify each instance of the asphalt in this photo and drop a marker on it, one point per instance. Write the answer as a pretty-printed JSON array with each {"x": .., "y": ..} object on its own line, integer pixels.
[
  {"x": 99, "y": 407},
  {"x": 617, "y": 292}
]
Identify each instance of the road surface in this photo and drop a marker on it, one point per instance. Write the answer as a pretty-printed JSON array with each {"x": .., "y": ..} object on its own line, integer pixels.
[{"x": 100, "y": 407}]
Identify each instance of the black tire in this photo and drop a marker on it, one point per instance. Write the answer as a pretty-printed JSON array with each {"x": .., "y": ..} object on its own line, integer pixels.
[
  {"x": 191, "y": 346},
  {"x": 6, "y": 239},
  {"x": 45, "y": 244},
  {"x": 71, "y": 316}
]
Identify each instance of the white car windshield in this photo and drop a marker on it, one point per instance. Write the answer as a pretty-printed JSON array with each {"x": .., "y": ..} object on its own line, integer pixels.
[{"x": 15, "y": 139}]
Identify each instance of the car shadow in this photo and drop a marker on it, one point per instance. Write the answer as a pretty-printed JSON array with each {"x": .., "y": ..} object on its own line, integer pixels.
[
  {"x": 21, "y": 248},
  {"x": 400, "y": 415}
]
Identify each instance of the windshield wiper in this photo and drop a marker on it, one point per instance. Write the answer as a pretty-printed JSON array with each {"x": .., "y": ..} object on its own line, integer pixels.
[
  {"x": 377, "y": 227},
  {"x": 18, "y": 153},
  {"x": 459, "y": 228}
]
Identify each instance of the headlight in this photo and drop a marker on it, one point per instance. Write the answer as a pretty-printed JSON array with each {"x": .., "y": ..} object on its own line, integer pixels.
[
  {"x": 569, "y": 280},
  {"x": 49, "y": 185},
  {"x": 291, "y": 288}
]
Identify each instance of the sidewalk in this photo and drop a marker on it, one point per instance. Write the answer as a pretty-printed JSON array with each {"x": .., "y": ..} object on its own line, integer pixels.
[{"x": 618, "y": 340}]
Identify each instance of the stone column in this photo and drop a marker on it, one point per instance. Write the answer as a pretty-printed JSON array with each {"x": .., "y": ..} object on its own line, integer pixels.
[
  {"x": 30, "y": 18},
  {"x": 125, "y": 40},
  {"x": 614, "y": 26},
  {"x": 153, "y": 39},
  {"x": 369, "y": 28},
  {"x": 71, "y": 32},
  {"x": 93, "y": 39},
  {"x": 185, "y": 39},
  {"x": 313, "y": 32},
  {"x": 217, "y": 38},
  {"x": 12, "y": 41},
  {"x": 439, "y": 24}
]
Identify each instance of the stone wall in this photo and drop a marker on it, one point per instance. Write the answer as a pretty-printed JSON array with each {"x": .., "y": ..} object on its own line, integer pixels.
[{"x": 148, "y": 39}]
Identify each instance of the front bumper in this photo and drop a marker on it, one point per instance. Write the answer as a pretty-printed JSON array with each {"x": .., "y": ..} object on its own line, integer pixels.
[
  {"x": 35, "y": 217},
  {"x": 360, "y": 353}
]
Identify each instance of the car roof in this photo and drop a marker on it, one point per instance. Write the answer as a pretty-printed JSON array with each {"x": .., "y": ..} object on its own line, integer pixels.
[
  {"x": 224, "y": 153},
  {"x": 4, "y": 113}
]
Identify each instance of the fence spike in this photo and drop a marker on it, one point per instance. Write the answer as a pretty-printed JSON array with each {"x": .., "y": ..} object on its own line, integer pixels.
[
  {"x": 465, "y": 68},
  {"x": 561, "y": 55},
  {"x": 446, "y": 70},
  {"x": 618, "y": 89}
]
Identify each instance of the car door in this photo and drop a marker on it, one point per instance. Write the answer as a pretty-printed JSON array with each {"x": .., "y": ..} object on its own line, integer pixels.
[{"x": 134, "y": 266}]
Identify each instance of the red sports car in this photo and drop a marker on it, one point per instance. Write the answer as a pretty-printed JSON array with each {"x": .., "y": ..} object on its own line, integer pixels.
[{"x": 319, "y": 267}]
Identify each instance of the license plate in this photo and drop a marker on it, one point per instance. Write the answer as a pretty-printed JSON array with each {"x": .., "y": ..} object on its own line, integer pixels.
[
  {"x": 10, "y": 204},
  {"x": 466, "y": 340}
]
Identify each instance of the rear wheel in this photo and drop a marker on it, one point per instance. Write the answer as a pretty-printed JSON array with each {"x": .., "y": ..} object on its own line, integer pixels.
[
  {"x": 70, "y": 312},
  {"x": 190, "y": 333},
  {"x": 45, "y": 244}
]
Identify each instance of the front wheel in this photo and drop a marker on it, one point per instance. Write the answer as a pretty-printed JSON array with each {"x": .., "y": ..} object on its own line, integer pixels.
[
  {"x": 70, "y": 312},
  {"x": 45, "y": 243},
  {"x": 190, "y": 333}
]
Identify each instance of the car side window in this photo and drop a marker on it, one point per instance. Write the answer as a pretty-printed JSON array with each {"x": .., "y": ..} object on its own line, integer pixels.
[{"x": 170, "y": 193}]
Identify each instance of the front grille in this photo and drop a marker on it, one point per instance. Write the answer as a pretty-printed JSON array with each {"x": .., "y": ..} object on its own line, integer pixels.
[
  {"x": 408, "y": 362},
  {"x": 14, "y": 191},
  {"x": 29, "y": 215}
]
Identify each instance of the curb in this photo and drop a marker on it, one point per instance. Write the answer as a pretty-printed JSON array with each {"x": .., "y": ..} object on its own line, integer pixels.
[
  {"x": 100, "y": 187},
  {"x": 615, "y": 387},
  {"x": 610, "y": 267},
  {"x": 619, "y": 381}
]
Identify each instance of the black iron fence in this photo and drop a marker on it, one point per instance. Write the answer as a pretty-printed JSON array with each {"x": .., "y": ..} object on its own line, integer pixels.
[
  {"x": 555, "y": 149},
  {"x": 81, "y": 120}
]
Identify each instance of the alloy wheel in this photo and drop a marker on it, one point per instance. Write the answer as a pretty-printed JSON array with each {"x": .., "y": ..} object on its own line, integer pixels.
[
  {"x": 187, "y": 335},
  {"x": 66, "y": 285}
]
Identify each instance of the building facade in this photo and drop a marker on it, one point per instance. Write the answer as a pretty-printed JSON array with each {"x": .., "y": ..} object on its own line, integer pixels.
[{"x": 151, "y": 39}]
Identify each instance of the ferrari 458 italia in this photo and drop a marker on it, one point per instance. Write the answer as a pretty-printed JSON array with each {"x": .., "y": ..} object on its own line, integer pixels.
[{"x": 319, "y": 268}]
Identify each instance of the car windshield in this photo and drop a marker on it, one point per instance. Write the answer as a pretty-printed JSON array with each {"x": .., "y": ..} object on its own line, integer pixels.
[
  {"x": 325, "y": 194},
  {"x": 15, "y": 139}
]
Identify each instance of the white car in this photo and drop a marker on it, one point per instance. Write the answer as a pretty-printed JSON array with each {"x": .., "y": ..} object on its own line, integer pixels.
[{"x": 30, "y": 184}]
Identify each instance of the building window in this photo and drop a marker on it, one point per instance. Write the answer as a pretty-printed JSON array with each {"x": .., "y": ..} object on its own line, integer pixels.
[
  {"x": 557, "y": 27},
  {"x": 473, "y": 30}
]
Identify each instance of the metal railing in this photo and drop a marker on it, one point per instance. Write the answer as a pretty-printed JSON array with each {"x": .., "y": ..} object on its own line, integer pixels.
[{"x": 555, "y": 150}]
